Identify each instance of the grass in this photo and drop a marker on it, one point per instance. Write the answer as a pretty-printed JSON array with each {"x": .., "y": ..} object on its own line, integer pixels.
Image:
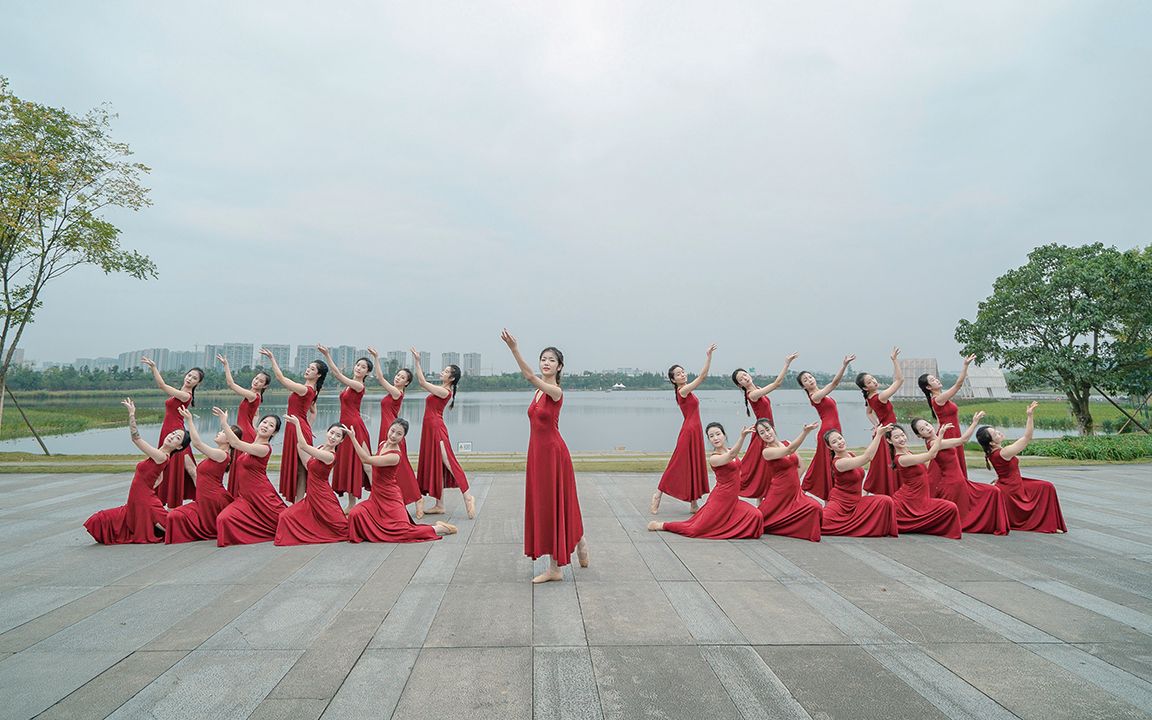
[
  {"x": 62, "y": 418},
  {"x": 1049, "y": 414}
]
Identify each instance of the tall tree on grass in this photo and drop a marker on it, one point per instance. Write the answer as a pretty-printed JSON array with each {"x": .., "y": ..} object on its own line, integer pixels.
[{"x": 1074, "y": 318}]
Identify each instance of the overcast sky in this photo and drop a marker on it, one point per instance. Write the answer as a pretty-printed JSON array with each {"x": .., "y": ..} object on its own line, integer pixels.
[{"x": 628, "y": 181}]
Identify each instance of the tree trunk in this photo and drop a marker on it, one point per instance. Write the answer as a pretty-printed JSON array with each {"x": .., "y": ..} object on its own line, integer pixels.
[{"x": 1081, "y": 410}]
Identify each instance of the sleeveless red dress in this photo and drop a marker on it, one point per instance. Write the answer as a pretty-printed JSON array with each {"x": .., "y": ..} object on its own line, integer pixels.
[
  {"x": 136, "y": 521},
  {"x": 1032, "y": 504},
  {"x": 318, "y": 518},
  {"x": 383, "y": 517},
  {"x": 252, "y": 516},
  {"x": 291, "y": 469},
  {"x": 348, "y": 473},
  {"x": 725, "y": 516},
  {"x": 177, "y": 485},
  {"x": 430, "y": 465},
  {"x": 949, "y": 413},
  {"x": 881, "y": 478},
  {"x": 405, "y": 475},
  {"x": 686, "y": 477},
  {"x": 818, "y": 479},
  {"x": 981, "y": 506},
  {"x": 850, "y": 513},
  {"x": 755, "y": 475},
  {"x": 552, "y": 521},
  {"x": 917, "y": 511},
  {"x": 786, "y": 509},
  {"x": 246, "y": 421},
  {"x": 197, "y": 520}
]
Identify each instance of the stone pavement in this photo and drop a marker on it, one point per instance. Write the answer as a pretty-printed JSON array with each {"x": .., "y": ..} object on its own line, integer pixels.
[{"x": 1030, "y": 626}]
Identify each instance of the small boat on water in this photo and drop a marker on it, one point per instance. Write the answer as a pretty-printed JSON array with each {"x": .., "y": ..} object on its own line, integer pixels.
[{"x": 618, "y": 386}]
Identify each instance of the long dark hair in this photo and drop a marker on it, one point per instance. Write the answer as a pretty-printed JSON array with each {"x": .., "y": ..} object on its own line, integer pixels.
[
  {"x": 231, "y": 450},
  {"x": 912, "y": 425},
  {"x": 267, "y": 381},
  {"x": 984, "y": 437},
  {"x": 407, "y": 372},
  {"x": 767, "y": 422},
  {"x": 711, "y": 425},
  {"x": 371, "y": 367},
  {"x": 455, "y": 381},
  {"x": 922, "y": 381},
  {"x": 192, "y": 400},
  {"x": 747, "y": 406},
  {"x": 402, "y": 423},
  {"x": 891, "y": 447},
  {"x": 559, "y": 358},
  {"x": 860, "y": 384},
  {"x": 800, "y": 381},
  {"x": 322, "y": 373},
  {"x": 670, "y": 371},
  {"x": 274, "y": 417}
]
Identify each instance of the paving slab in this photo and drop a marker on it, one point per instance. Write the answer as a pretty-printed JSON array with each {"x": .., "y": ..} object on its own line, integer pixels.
[
  {"x": 492, "y": 683},
  {"x": 912, "y": 616},
  {"x": 564, "y": 684},
  {"x": 757, "y": 692},
  {"x": 101, "y": 695},
  {"x": 23, "y": 677},
  {"x": 556, "y": 615},
  {"x": 632, "y": 613},
  {"x": 767, "y": 613},
  {"x": 496, "y": 562},
  {"x": 411, "y": 616},
  {"x": 289, "y": 617},
  {"x": 483, "y": 615},
  {"x": 671, "y": 682},
  {"x": 321, "y": 670},
  {"x": 373, "y": 688}
]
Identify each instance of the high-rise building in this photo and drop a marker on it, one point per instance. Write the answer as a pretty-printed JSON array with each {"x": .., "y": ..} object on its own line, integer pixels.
[
  {"x": 426, "y": 360},
  {"x": 345, "y": 357},
  {"x": 471, "y": 365},
  {"x": 304, "y": 355},
  {"x": 132, "y": 358},
  {"x": 208, "y": 356},
  {"x": 282, "y": 353},
  {"x": 184, "y": 360},
  {"x": 239, "y": 355},
  {"x": 450, "y": 358},
  {"x": 399, "y": 356}
]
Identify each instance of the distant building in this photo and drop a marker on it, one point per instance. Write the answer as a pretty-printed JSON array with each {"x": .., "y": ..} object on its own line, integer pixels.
[
  {"x": 345, "y": 357},
  {"x": 304, "y": 355},
  {"x": 426, "y": 361},
  {"x": 471, "y": 364},
  {"x": 102, "y": 363},
  {"x": 132, "y": 358},
  {"x": 628, "y": 371},
  {"x": 18, "y": 357},
  {"x": 913, "y": 368},
  {"x": 239, "y": 354},
  {"x": 450, "y": 358},
  {"x": 985, "y": 382},
  {"x": 185, "y": 360},
  {"x": 282, "y": 353},
  {"x": 400, "y": 357}
]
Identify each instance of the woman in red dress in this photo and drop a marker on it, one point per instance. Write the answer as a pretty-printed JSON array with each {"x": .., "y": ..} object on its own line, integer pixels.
[
  {"x": 252, "y": 516},
  {"x": 301, "y": 398},
  {"x": 754, "y": 473},
  {"x": 318, "y": 518},
  {"x": 785, "y": 508},
  {"x": 725, "y": 516},
  {"x": 348, "y": 474},
  {"x": 686, "y": 476},
  {"x": 177, "y": 484},
  {"x": 982, "y": 508},
  {"x": 916, "y": 510},
  {"x": 1032, "y": 504},
  {"x": 197, "y": 520},
  {"x": 437, "y": 466},
  {"x": 383, "y": 517},
  {"x": 818, "y": 479},
  {"x": 389, "y": 411},
  {"x": 141, "y": 520},
  {"x": 250, "y": 399},
  {"x": 553, "y": 525},
  {"x": 881, "y": 478},
  {"x": 944, "y": 410},
  {"x": 849, "y": 512}
]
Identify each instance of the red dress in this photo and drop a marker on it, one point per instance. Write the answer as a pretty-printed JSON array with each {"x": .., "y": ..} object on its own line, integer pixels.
[
  {"x": 290, "y": 466},
  {"x": 552, "y": 521},
  {"x": 177, "y": 485},
  {"x": 949, "y": 413},
  {"x": 850, "y": 513},
  {"x": 197, "y": 520},
  {"x": 981, "y": 506},
  {"x": 383, "y": 517},
  {"x": 405, "y": 475},
  {"x": 686, "y": 477},
  {"x": 818, "y": 479},
  {"x": 755, "y": 475},
  {"x": 135, "y": 522},
  {"x": 1032, "y": 504},
  {"x": 246, "y": 421},
  {"x": 252, "y": 516},
  {"x": 786, "y": 509},
  {"x": 917, "y": 511},
  {"x": 348, "y": 474},
  {"x": 430, "y": 465},
  {"x": 881, "y": 478},
  {"x": 725, "y": 516},
  {"x": 318, "y": 518}
]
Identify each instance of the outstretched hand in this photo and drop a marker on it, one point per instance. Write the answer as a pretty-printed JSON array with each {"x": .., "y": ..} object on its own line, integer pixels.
[
  {"x": 127, "y": 402},
  {"x": 978, "y": 416},
  {"x": 267, "y": 353},
  {"x": 791, "y": 357},
  {"x": 323, "y": 350},
  {"x": 711, "y": 349},
  {"x": 811, "y": 426},
  {"x": 184, "y": 413},
  {"x": 148, "y": 361},
  {"x": 895, "y": 353},
  {"x": 292, "y": 419},
  {"x": 1032, "y": 408},
  {"x": 968, "y": 360},
  {"x": 222, "y": 360},
  {"x": 848, "y": 359},
  {"x": 944, "y": 428},
  {"x": 220, "y": 413},
  {"x": 415, "y": 355},
  {"x": 509, "y": 339},
  {"x": 372, "y": 351}
]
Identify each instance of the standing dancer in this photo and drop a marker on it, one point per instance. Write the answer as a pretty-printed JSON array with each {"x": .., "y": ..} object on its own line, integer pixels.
[
  {"x": 250, "y": 398},
  {"x": 946, "y": 412},
  {"x": 252, "y": 516},
  {"x": 818, "y": 479},
  {"x": 725, "y": 516},
  {"x": 982, "y": 508},
  {"x": 881, "y": 478},
  {"x": 177, "y": 485},
  {"x": 754, "y": 473},
  {"x": 785, "y": 508},
  {"x": 849, "y": 512},
  {"x": 437, "y": 466},
  {"x": 348, "y": 474},
  {"x": 389, "y": 411},
  {"x": 1032, "y": 504},
  {"x": 301, "y": 398},
  {"x": 141, "y": 520},
  {"x": 686, "y": 476},
  {"x": 318, "y": 518},
  {"x": 553, "y": 525},
  {"x": 916, "y": 510},
  {"x": 197, "y": 520}
]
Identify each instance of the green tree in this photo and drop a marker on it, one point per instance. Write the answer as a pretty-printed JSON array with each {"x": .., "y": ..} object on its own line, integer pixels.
[{"x": 1075, "y": 318}]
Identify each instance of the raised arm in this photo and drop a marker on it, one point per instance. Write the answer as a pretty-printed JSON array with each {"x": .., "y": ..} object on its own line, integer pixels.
[
  {"x": 897, "y": 377},
  {"x": 949, "y": 443},
  {"x": 775, "y": 453},
  {"x": 689, "y": 387},
  {"x": 190, "y": 424},
  {"x": 156, "y": 454},
  {"x": 292, "y": 385},
  {"x": 552, "y": 391},
  {"x": 335, "y": 370},
  {"x": 190, "y": 466},
  {"x": 241, "y": 391},
  {"x": 859, "y": 461},
  {"x": 732, "y": 453},
  {"x": 951, "y": 392},
  {"x": 368, "y": 458},
  {"x": 910, "y": 459},
  {"x": 761, "y": 392},
  {"x": 253, "y": 449},
  {"x": 1018, "y": 447},
  {"x": 378, "y": 371},
  {"x": 159, "y": 379},
  {"x": 823, "y": 392},
  {"x": 437, "y": 390},
  {"x": 304, "y": 451}
]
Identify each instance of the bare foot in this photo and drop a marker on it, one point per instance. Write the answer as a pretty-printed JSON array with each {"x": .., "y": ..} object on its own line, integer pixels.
[
  {"x": 582, "y": 552},
  {"x": 420, "y": 508},
  {"x": 654, "y": 506},
  {"x": 548, "y": 576},
  {"x": 446, "y": 528},
  {"x": 654, "y": 526},
  {"x": 693, "y": 508},
  {"x": 470, "y": 506}
]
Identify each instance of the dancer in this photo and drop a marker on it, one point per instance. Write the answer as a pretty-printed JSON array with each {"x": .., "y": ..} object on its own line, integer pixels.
[
  {"x": 389, "y": 411},
  {"x": 945, "y": 411},
  {"x": 881, "y": 478},
  {"x": 1032, "y": 504},
  {"x": 141, "y": 520},
  {"x": 250, "y": 398},
  {"x": 318, "y": 518},
  {"x": 755, "y": 475},
  {"x": 849, "y": 512},
  {"x": 197, "y": 520},
  {"x": 252, "y": 516},
  {"x": 982, "y": 508},
  {"x": 686, "y": 476},
  {"x": 916, "y": 510},
  {"x": 177, "y": 485},
  {"x": 301, "y": 399},
  {"x": 818, "y": 479},
  {"x": 553, "y": 525},
  {"x": 382, "y": 517},
  {"x": 437, "y": 466},
  {"x": 725, "y": 516},
  {"x": 785, "y": 508},
  {"x": 348, "y": 474}
]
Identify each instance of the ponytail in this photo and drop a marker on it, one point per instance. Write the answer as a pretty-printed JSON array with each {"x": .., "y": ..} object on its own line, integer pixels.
[
  {"x": 860, "y": 384},
  {"x": 984, "y": 437},
  {"x": 455, "y": 381},
  {"x": 922, "y": 381},
  {"x": 737, "y": 371},
  {"x": 192, "y": 400}
]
